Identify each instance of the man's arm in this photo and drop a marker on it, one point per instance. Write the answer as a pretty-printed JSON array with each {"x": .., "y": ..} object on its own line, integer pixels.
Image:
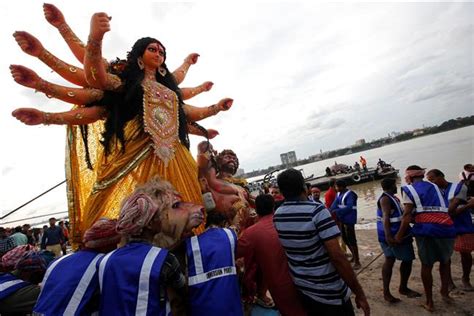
[
  {"x": 455, "y": 207},
  {"x": 333, "y": 205},
  {"x": 328, "y": 232},
  {"x": 343, "y": 267},
  {"x": 171, "y": 273},
  {"x": 386, "y": 210},
  {"x": 406, "y": 219}
]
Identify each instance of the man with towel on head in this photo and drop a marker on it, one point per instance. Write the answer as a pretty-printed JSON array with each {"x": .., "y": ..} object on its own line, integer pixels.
[
  {"x": 19, "y": 289},
  {"x": 134, "y": 278},
  {"x": 433, "y": 230}
]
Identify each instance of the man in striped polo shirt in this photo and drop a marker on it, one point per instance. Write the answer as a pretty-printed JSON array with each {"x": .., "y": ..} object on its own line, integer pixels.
[{"x": 309, "y": 236}]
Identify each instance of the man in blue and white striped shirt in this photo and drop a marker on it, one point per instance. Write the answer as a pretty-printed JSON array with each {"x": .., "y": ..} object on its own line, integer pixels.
[{"x": 309, "y": 236}]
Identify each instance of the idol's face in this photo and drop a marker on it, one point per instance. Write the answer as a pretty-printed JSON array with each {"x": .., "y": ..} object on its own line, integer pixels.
[
  {"x": 154, "y": 56},
  {"x": 229, "y": 163}
]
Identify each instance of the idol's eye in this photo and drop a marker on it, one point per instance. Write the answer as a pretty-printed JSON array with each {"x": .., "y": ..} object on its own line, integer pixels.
[
  {"x": 162, "y": 53},
  {"x": 176, "y": 204},
  {"x": 152, "y": 49}
]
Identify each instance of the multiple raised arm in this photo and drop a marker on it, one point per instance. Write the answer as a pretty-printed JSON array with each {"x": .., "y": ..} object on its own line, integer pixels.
[
  {"x": 180, "y": 73},
  {"x": 94, "y": 77},
  {"x": 79, "y": 116},
  {"x": 55, "y": 17},
  {"x": 28, "y": 78},
  {"x": 195, "y": 114},
  {"x": 32, "y": 46},
  {"x": 210, "y": 133},
  {"x": 189, "y": 93},
  {"x": 95, "y": 71}
]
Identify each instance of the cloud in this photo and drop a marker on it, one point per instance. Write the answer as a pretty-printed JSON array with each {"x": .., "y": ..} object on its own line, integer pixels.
[
  {"x": 304, "y": 77},
  {"x": 333, "y": 123},
  {"x": 443, "y": 86},
  {"x": 6, "y": 170}
]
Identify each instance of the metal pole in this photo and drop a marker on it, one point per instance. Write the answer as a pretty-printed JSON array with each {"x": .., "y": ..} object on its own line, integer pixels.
[{"x": 19, "y": 207}]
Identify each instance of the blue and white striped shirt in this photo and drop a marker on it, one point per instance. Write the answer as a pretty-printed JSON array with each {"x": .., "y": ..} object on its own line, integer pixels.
[{"x": 302, "y": 227}]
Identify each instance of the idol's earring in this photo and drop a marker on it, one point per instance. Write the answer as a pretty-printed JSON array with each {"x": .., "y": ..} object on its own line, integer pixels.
[
  {"x": 140, "y": 63},
  {"x": 162, "y": 71}
]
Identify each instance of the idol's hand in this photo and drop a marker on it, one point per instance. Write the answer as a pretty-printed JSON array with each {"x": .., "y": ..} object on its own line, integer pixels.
[
  {"x": 211, "y": 133},
  {"x": 53, "y": 15},
  {"x": 204, "y": 146},
  {"x": 206, "y": 86},
  {"x": 29, "y": 116},
  {"x": 99, "y": 25},
  {"x": 28, "y": 43},
  {"x": 25, "y": 76},
  {"x": 192, "y": 58},
  {"x": 225, "y": 104}
]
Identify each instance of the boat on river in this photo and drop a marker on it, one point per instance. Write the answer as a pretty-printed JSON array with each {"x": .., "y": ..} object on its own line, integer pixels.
[
  {"x": 338, "y": 172},
  {"x": 355, "y": 177}
]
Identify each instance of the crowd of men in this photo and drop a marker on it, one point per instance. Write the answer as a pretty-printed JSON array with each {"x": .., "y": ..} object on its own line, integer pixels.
[
  {"x": 439, "y": 215},
  {"x": 295, "y": 252},
  {"x": 53, "y": 238}
]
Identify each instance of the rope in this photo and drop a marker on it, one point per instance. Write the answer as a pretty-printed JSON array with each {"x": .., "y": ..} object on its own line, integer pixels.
[
  {"x": 373, "y": 260},
  {"x": 39, "y": 216},
  {"x": 19, "y": 207}
]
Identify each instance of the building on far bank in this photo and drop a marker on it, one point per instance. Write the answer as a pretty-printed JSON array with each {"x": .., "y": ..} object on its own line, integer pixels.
[
  {"x": 418, "y": 131},
  {"x": 288, "y": 158},
  {"x": 239, "y": 172},
  {"x": 394, "y": 134},
  {"x": 316, "y": 157},
  {"x": 359, "y": 142}
]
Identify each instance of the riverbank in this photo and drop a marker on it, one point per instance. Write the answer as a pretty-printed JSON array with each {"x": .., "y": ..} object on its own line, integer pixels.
[
  {"x": 337, "y": 154},
  {"x": 371, "y": 280}
]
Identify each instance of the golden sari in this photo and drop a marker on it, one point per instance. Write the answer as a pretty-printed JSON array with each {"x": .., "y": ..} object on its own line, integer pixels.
[{"x": 97, "y": 193}]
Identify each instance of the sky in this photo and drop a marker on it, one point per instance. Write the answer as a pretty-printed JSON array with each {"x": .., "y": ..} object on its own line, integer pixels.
[{"x": 304, "y": 77}]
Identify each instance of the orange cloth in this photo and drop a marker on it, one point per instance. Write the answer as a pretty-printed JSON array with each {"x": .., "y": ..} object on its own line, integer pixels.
[
  {"x": 101, "y": 234},
  {"x": 97, "y": 193}
]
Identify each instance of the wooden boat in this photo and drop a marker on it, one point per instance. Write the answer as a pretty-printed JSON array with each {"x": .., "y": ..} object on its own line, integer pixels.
[
  {"x": 351, "y": 177},
  {"x": 355, "y": 177}
]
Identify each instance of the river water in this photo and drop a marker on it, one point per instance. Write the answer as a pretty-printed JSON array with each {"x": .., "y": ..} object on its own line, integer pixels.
[{"x": 448, "y": 151}]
